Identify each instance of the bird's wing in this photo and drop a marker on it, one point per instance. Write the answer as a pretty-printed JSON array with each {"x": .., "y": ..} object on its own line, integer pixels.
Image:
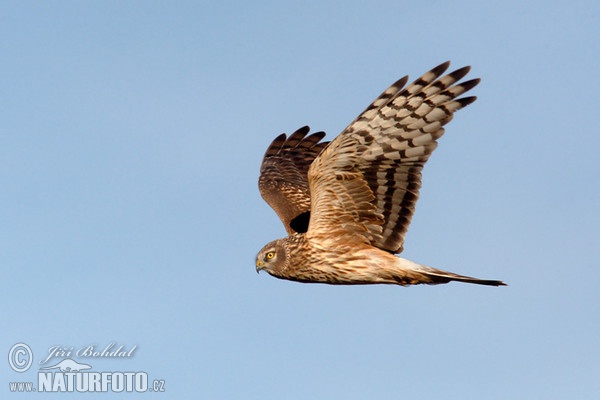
[
  {"x": 365, "y": 184},
  {"x": 283, "y": 181}
]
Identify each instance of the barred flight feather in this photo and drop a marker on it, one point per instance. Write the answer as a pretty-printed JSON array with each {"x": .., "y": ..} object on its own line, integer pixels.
[{"x": 390, "y": 142}]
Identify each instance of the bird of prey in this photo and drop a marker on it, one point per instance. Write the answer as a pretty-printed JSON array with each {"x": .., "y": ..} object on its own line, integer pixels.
[{"x": 346, "y": 204}]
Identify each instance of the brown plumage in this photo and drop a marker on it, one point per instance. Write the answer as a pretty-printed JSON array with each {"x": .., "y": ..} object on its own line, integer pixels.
[
  {"x": 283, "y": 179},
  {"x": 347, "y": 205}
]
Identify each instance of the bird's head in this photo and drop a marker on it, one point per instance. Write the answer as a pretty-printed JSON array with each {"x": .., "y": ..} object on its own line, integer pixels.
[{"x": 273, "y": 257}]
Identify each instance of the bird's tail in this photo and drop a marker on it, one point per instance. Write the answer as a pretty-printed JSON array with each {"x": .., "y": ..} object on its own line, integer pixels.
[
  {"x": 439, "y": 276},
  {"x": 434, "y": 276}
]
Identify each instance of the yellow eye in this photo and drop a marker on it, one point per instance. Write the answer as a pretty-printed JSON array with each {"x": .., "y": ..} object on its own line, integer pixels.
[{"x": 270, "y": 255}]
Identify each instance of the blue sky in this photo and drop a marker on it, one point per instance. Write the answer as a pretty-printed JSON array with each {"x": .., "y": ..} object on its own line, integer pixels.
[{"x": 130, "y": 140}]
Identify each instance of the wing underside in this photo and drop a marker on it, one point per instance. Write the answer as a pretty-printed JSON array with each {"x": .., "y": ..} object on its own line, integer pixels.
[{"x": 364, "y": 186}]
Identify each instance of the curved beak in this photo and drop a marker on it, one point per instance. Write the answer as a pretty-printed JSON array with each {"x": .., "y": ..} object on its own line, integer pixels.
[{"x": 259, "y": 265}]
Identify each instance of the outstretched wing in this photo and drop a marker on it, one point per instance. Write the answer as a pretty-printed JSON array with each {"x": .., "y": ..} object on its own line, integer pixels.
[
  {"x": 283, "y": 181},
  {"x": 365, "y": 185}
]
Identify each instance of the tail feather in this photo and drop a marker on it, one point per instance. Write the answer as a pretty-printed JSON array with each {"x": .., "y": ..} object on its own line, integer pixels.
[
  {"x": 438, "y": 276},
  {"x": 406, "y": 272}
]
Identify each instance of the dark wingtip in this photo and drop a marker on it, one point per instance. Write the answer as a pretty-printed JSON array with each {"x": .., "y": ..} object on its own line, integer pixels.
[
  {"x": 399, "y": 84},
  {"x": 275, "y": 145},
  {"x": 468, "y": 85},
  {"x": 465, "y": 101},
  {"x": 460, "y": 73},
  {"x": 426, "y": 79},
  {"x": 440, "y": 69},
  {"x": 302, "y": 131}
]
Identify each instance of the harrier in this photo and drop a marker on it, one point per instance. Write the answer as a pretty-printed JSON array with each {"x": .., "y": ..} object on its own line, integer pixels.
[{"x": 346, "y": 204}]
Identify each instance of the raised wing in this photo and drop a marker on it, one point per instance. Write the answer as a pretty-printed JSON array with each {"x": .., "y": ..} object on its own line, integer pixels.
[
  {"x": 365, "y": 185},
  {"x": 283, "y": 181}
]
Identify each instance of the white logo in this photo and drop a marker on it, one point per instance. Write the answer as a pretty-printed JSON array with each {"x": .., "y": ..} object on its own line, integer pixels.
[
  {"x": 20, "y": 357},
  {"x": 68, "y": 365},
  {"x": 69, "y": 375}
]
